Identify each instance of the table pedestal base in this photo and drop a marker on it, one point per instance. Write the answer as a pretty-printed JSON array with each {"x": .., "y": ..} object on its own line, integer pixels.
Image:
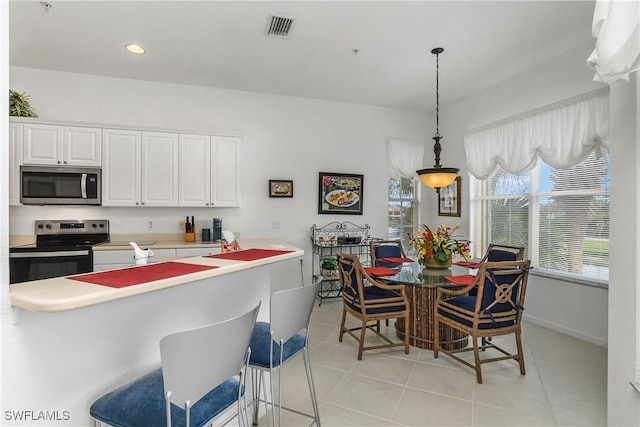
[
  {"x": 450, "y": 339},
  {"x": 422, "y": 301}
]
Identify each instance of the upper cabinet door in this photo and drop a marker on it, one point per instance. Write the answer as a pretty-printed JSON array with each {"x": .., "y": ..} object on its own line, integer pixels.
[
  {"x": 82, "y": 146},
  {"x": 121, "y": 151},
  {"x": 15, "y": 160},
  {"x": 159, "y": 169},
  {"x": 62, "y": 145},
  {"x": 225, "y": 171},
  {"x": 194, "y": 170},
  {"x": 43, "y": 144}
]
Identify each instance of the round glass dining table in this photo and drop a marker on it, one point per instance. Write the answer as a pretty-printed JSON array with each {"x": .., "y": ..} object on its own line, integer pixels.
[{"x": 422, "y": 289}]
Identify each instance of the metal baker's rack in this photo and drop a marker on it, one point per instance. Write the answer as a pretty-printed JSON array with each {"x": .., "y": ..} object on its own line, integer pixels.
[{"x": 327, "y": 241}]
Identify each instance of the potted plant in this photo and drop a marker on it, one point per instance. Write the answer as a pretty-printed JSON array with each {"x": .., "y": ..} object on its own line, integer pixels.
[
  {"x": 19, "y": 105},
  {"x": 329, "y": 267}
]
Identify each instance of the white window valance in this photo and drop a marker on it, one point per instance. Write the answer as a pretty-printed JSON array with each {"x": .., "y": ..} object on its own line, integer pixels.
[
  {"x": 562, "y": 134},
  {"x": 405, "y": 158},
  {"x": 616, "y": 26}
]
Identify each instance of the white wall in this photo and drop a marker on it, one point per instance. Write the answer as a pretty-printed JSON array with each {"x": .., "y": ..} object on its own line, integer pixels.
[{"x": 623, "y": 401}]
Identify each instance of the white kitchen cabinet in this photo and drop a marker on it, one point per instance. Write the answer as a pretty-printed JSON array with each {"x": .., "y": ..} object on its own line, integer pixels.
[
  {"x": 209, "y": 171},
  {"x": 109, "y": 260},
  {"x": 139, "y": 168},
  {"x": 121, "y": 150},
  {"x": 191, "y": 252},
  {"x": 159, "y": 169},
  {"x": 56, "y": 145},
  {"x": 15, "y": 160}
]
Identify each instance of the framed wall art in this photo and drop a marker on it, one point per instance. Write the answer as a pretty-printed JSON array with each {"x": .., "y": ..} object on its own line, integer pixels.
[
  {"x": 340, "y": 193},
  {"x": 449, "y": 200},
  {"x": 280, "y": 188}
]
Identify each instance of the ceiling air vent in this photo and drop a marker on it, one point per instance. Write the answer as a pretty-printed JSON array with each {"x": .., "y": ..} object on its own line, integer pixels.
[{"x": 279, "y": 26}]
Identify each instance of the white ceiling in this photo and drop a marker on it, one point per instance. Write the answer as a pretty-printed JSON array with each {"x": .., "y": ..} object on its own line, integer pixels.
[{"x": 222, "y": 44}]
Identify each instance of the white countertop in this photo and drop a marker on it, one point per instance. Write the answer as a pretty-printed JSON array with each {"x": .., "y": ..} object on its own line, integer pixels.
[{"x": 61, "y": 293}]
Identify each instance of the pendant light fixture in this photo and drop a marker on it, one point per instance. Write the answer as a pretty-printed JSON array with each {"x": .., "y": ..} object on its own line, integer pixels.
[{"x": 437, "y": 176}]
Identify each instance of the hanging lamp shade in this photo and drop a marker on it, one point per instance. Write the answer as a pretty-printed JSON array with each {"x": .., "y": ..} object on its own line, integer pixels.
[{"x": 437, "y": 176}]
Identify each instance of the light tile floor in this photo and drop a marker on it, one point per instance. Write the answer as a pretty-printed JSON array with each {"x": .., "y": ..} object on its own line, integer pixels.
[{"x": 565, "y": 383}]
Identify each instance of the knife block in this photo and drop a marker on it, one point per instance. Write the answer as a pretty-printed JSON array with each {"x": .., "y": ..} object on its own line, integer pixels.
[{"x": 189, "y": 237}]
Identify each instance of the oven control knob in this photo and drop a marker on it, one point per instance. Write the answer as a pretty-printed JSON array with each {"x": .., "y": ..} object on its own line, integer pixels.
[
  {"x": 94, "y": 225},
  {"x": 48, "y": 226},
  {"x": 101, "y": 225},
  {"x": 40, "y": 226}
]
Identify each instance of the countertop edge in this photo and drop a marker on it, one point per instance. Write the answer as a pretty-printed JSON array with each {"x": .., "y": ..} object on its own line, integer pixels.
[{"x": 36, "y": 295}]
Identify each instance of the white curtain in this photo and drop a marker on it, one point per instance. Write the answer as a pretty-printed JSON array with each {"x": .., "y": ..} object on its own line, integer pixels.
[
  {"x": 562, "y": 134},
  {"x": 405, "y": 158},
  {"x": 616, "y": 26}
]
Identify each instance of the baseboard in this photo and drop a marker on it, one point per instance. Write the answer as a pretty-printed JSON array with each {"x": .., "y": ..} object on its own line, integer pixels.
[{"x": 567, "y": 331}]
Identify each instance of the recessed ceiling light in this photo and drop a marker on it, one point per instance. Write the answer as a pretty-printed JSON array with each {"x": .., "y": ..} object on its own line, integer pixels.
[{"x": 134, "y": 48}]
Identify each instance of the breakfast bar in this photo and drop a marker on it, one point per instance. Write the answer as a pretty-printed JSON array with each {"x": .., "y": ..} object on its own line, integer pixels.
[{"x": 78, "y": 337}]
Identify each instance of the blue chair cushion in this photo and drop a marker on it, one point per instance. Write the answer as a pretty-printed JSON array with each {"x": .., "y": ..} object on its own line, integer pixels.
[
  {"x": 373, "y": 293},
  {"x": 260, "y": 345},
  {"x": 469, "y": 303},
  {"x": 498, "y": 255},
  {"x": 142, "y": 403},
  {"x": 387, "y": 251}
]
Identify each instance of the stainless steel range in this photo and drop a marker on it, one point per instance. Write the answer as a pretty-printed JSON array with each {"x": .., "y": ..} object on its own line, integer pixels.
[{"x": 62, "y": 248}]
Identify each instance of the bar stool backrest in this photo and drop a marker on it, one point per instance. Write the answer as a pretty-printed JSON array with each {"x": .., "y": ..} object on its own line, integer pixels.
[
  {"x": 291, "y": 311},
  {"x": 197, "y": 360}
]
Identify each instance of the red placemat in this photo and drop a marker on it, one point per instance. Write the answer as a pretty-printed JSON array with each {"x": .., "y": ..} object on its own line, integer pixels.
[
  {"x": 380, "y": 271},
  {"x": 470, "y": 264},
  {"x": 466, "y": 279},
  {"x": 137, "y": 275},
  {"x": 395, "y": 260},
  {"x": 249, "y": 254}
]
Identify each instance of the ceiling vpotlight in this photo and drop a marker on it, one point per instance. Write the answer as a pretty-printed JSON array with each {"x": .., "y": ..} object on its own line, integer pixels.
[
  {"x": 437, "y": 176},
  {"x": 134, "y": 48}
]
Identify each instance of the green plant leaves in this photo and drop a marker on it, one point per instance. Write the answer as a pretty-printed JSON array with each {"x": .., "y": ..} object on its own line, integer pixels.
[{"x": 19, "y": 105}]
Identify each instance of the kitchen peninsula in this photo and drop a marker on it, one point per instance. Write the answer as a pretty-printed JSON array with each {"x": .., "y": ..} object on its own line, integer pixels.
[
  {"x": 77, "y": 340},
  {"x": 68, "y": 293}
]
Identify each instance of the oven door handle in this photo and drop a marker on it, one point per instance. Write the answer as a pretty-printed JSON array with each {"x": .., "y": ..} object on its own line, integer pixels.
[
  {"x": 83, "y": 185},
  {"x": 48, "y": 254}
]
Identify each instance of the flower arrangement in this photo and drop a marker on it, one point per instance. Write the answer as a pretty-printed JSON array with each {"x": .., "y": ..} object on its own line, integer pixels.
[{"x": 441, "y": 245}]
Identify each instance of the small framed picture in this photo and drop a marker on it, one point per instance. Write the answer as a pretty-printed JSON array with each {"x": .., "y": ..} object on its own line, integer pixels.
[
  {"x": 340, "y": 193},
  {"x": 449, "y": 199},
  {"x": 280, "y": 188}
]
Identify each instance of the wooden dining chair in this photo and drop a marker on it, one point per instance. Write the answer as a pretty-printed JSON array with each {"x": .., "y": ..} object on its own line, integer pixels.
[
  {"x": 369, "y": 304},
  {"x": 386, "y": 249},
  {"x": 497, "y": 252},
  {"x": 495, "y": 310}
]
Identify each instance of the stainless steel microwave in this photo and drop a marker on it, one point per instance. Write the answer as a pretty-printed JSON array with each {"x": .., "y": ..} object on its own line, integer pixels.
[{"x": 50, "y": 185}]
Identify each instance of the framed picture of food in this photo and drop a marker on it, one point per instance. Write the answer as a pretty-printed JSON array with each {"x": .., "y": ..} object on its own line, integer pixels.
[
  {"x": 340, "y": 193},
  {"x": 280, "y": 188}
]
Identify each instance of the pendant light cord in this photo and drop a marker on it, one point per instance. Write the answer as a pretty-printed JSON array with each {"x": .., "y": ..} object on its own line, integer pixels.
[{"x": 437, "y": 94}]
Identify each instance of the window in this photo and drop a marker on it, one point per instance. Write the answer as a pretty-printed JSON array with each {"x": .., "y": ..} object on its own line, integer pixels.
[
  {"x": 403, "y": 207},
  {"x": 561, "y": 217}
]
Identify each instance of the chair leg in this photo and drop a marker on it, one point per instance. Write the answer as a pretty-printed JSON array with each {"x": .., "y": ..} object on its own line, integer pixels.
[
  {"x": 476, "y": 355},
  {"x": 406, "y": 336},
  {"x": 312, "y": 387},
  {"x": 363, "y": 329},
  {"x": 344, "y": 318},
  {"x": 520, "y": 352},
  {"x": 436, "y": 337}
]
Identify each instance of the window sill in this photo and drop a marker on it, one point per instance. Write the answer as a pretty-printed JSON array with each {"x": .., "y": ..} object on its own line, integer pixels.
[{"x": 568, "y": 278}]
